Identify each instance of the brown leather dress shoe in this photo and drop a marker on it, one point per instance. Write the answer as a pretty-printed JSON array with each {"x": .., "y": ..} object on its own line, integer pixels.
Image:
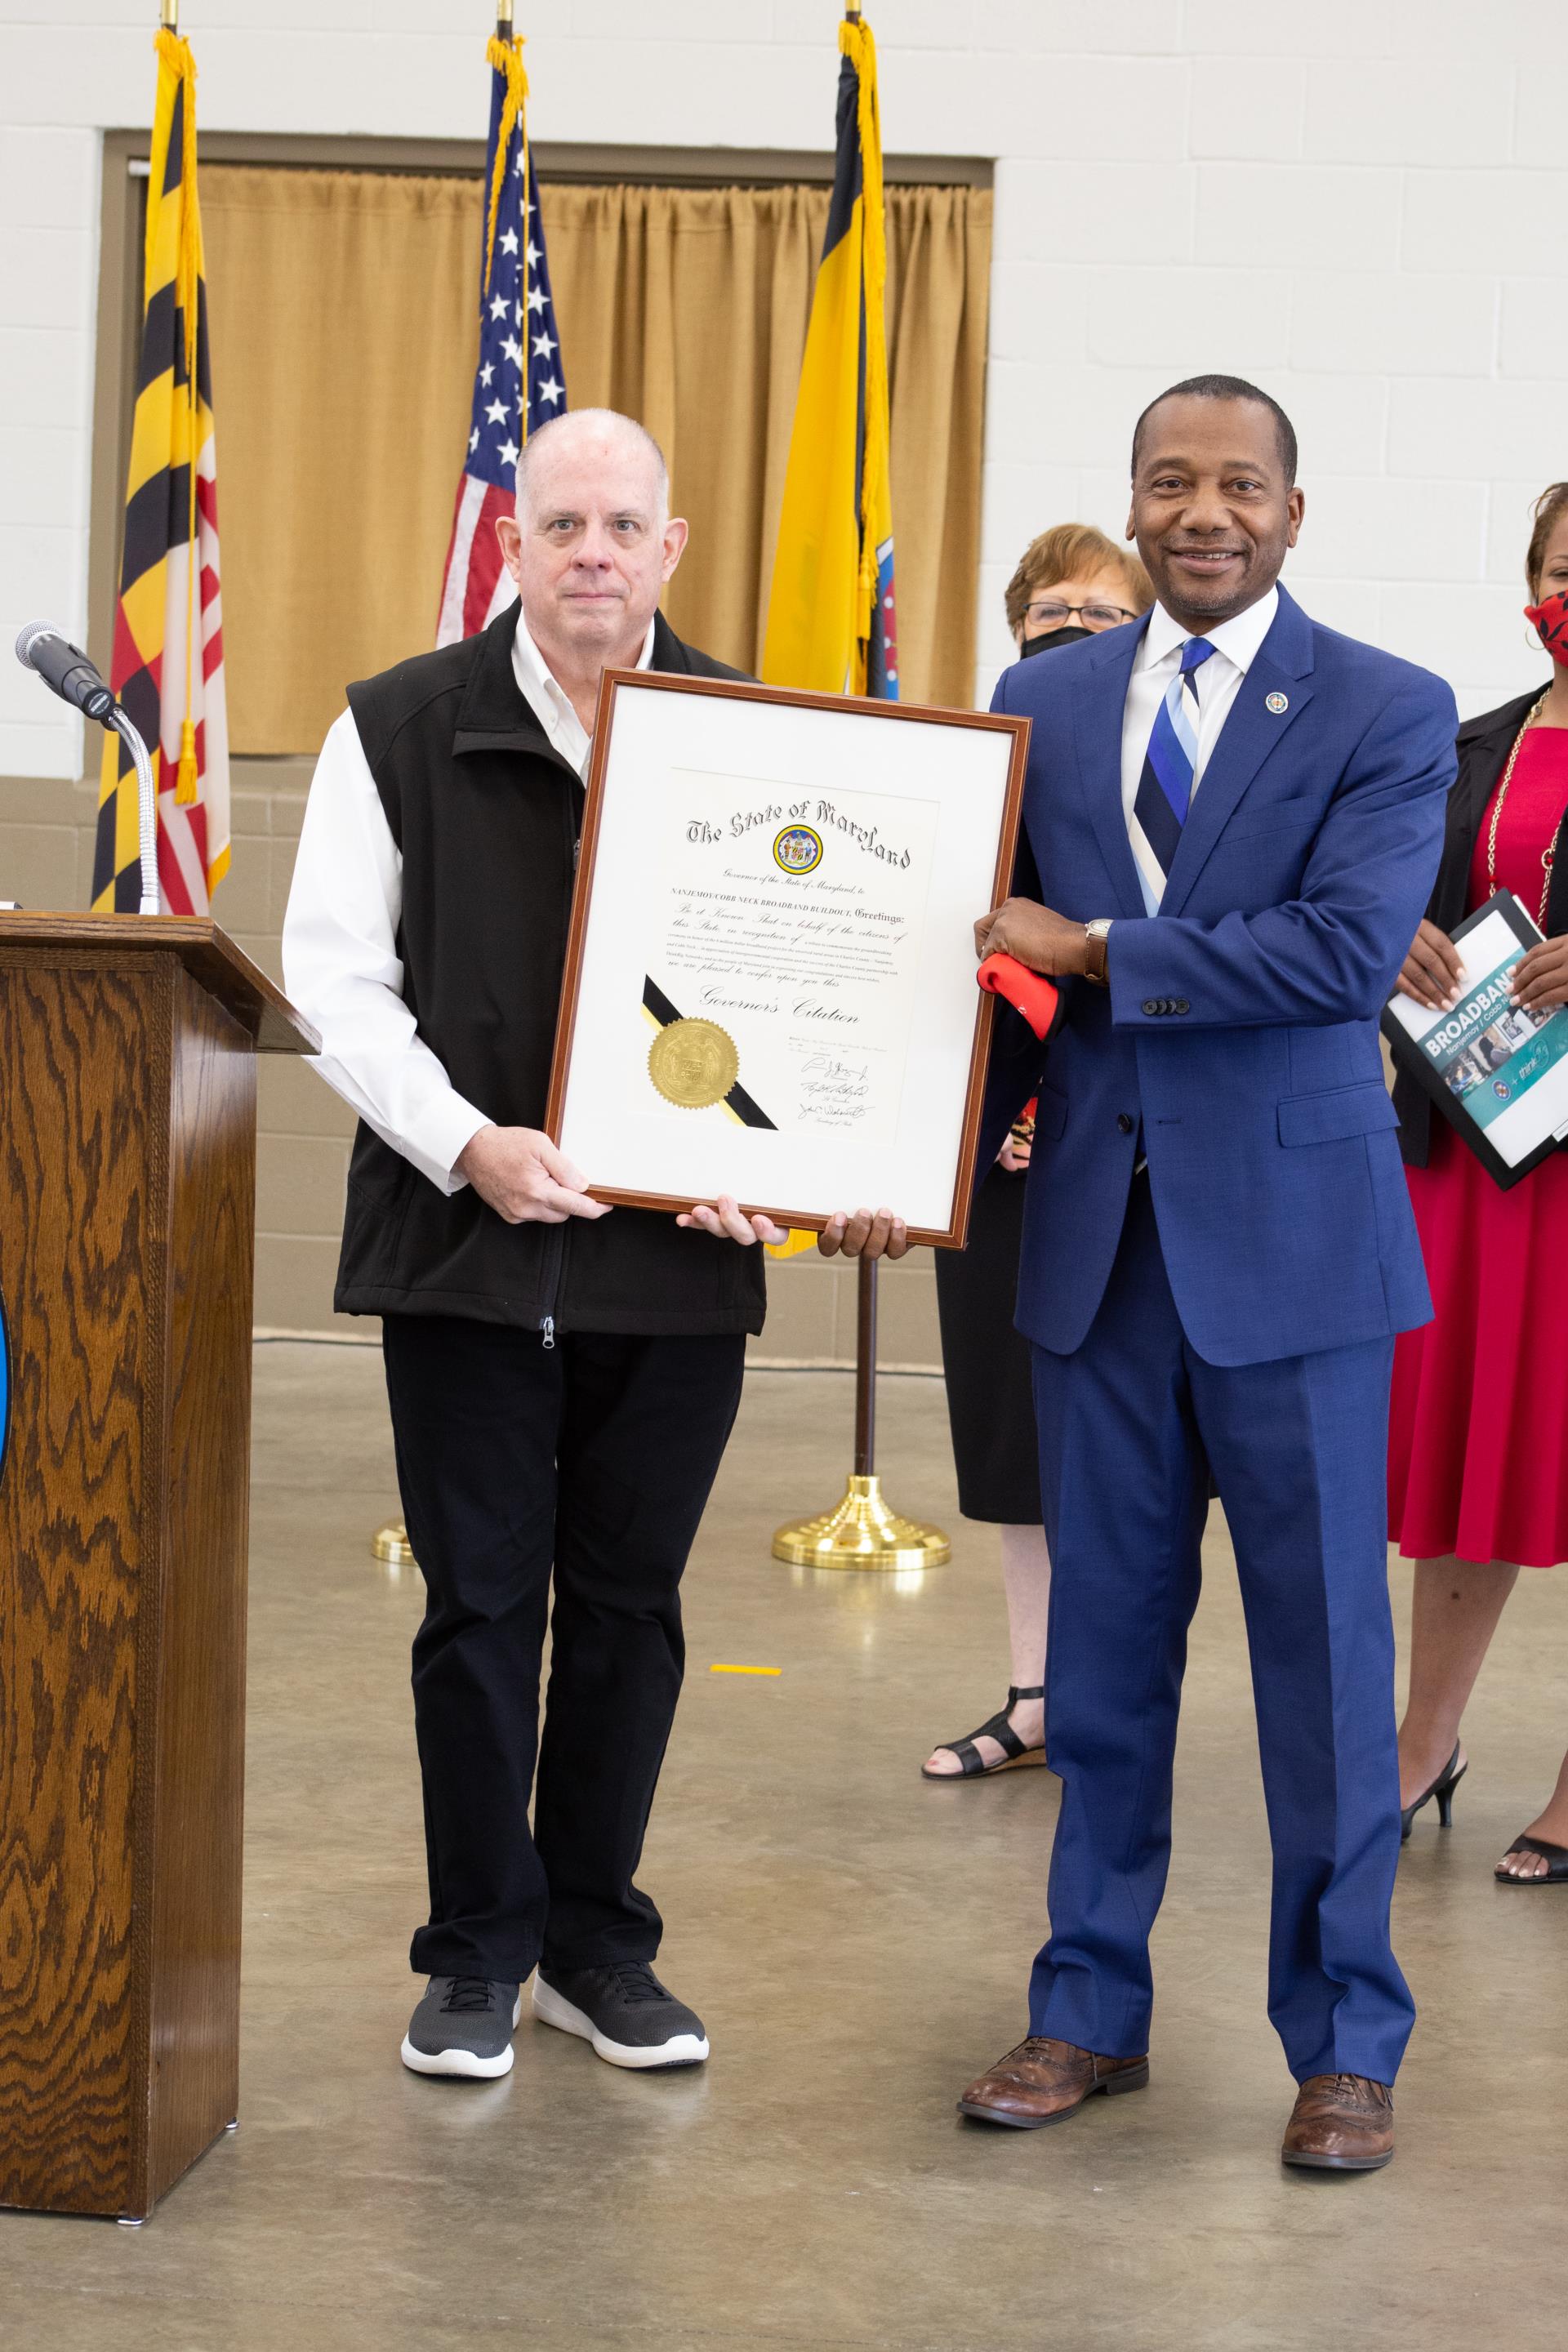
[
  {"x": 1340, "y": 2123},
  {"x": 1044, "y": 2082}
]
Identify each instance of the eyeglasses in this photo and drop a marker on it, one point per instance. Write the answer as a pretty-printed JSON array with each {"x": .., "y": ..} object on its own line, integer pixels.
[{"x": 1051, "y": 615}]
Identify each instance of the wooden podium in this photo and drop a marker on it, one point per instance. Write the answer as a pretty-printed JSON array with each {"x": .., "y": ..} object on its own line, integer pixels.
[{"x": 127, "y": 1217}]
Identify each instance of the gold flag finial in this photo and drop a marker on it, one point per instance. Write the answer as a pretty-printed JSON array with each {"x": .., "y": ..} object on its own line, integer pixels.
[{"x": 170, "y": 19}]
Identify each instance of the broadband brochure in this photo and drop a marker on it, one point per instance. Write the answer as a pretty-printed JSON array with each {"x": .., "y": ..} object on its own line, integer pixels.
[{"x": 1498, "y": 1074}]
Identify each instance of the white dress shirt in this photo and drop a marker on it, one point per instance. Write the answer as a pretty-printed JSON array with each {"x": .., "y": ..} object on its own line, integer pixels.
[
  {"x": 551, "y": 703},
  {"x": 340, "y": 965},
  {"x": 1235, "y": 647}
]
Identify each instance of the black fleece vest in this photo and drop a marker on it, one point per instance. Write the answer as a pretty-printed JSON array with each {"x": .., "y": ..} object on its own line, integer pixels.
[{"x": 487, "y": 817}]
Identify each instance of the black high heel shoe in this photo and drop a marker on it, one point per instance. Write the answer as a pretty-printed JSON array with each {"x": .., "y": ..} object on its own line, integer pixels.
[{"x": 1443, "y": 1789}]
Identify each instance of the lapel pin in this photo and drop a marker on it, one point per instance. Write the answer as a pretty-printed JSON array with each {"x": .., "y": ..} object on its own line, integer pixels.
[{"x": 1277, "y": 703}]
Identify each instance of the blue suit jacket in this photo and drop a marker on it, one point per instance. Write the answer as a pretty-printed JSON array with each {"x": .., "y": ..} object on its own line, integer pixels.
[{"x": 1240, "y": 1031}]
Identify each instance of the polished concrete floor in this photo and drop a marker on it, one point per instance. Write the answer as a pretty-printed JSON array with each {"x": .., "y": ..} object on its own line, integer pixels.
[{"x": 857, "y": 1942}]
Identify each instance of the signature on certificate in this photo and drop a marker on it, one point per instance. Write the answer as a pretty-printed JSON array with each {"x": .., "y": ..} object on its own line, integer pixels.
[{"x": 833, "y": 1091}]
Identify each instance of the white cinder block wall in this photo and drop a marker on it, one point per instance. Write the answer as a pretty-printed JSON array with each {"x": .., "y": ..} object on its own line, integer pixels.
[{"x": 1358, "y": 203}]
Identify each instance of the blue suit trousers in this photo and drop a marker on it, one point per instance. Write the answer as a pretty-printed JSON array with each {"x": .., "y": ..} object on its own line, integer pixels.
[{"x": 1132, "y": 1423}]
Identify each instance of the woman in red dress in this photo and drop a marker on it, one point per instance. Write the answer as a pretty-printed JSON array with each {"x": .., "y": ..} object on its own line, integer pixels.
[{"x": 1479, "y": 1422}]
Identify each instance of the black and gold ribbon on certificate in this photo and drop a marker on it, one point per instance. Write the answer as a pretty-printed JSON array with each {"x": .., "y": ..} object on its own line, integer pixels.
[{"x": 737, "y": 1102}]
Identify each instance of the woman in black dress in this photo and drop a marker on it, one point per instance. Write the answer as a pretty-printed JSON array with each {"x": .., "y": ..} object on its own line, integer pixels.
[{"x": 1071, "y": 582}]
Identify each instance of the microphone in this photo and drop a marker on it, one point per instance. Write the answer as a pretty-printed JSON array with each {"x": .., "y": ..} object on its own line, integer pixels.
[{"x": 64, "y": 670}]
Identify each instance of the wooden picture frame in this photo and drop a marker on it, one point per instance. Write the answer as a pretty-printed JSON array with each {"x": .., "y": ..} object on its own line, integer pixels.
[{"x": 593, "y": 1103}]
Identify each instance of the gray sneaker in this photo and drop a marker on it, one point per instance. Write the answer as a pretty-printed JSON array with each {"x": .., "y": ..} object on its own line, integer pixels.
[
  {"x": 625, "y": 2012},
  {"x": 463, "y": 2026}
]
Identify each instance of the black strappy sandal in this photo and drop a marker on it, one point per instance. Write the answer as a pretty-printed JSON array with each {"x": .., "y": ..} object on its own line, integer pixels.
[
  {"x": 972, "y": 1764},
  {"x": 1443, "y": 1789},
  {"x": 1555, "y": 1857}
]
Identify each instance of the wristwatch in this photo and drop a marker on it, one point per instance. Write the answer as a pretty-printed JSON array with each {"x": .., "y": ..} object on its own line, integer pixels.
[{"x": 1096, "y": 934}]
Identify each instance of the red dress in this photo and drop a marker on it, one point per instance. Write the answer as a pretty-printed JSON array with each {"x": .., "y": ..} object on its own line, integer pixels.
[{"x": 1477, "y": 1456}]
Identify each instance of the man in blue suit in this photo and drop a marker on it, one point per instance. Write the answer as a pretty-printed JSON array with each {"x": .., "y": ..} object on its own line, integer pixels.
[{"x": 1235, "y": 818}]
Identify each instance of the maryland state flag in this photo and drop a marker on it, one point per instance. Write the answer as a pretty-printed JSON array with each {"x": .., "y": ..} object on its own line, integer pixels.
[
  {"x": 167, "y": 666},
  {"x": 830, "y": 613}
]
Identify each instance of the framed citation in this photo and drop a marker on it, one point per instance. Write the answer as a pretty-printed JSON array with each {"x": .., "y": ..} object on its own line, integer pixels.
[
  {"x": 770, "y": 979},
  {"x": 1498, "y": 1073}
]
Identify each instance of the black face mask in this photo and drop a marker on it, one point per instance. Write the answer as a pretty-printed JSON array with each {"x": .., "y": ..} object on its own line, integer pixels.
[{"x": 1065, "y": 635}]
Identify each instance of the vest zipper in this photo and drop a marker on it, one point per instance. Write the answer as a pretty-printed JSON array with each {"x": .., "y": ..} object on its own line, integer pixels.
[{"x": 559, "y": 1235}]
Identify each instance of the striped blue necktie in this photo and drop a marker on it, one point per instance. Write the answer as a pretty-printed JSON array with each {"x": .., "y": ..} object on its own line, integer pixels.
[{"x": 1165, "y": 786}]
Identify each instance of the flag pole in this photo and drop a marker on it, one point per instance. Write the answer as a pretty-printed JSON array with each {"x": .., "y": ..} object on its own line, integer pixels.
[
  {"x": 862, "y": 1531},
  {"x": 390, "y": 1543},
  {"x": 865, "y": 1370},
  {"x": 170, "y": 17}
]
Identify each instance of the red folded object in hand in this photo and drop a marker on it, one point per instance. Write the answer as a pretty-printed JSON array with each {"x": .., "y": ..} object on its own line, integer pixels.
[{"x": 1029, "y": 992}]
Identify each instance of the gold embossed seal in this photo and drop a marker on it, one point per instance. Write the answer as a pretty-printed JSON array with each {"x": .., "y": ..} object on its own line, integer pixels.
[{"x": 693, "y": 1064}]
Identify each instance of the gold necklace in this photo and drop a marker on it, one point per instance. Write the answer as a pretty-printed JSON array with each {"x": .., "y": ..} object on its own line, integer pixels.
[{"x": 1548, "y": 853}]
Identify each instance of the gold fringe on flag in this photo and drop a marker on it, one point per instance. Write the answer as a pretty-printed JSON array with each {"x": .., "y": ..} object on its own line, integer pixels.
[{"x": 506, "y": 57}]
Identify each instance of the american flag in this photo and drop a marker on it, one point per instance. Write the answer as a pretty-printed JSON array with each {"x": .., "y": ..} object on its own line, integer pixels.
[{"x": 519, "y": 383}]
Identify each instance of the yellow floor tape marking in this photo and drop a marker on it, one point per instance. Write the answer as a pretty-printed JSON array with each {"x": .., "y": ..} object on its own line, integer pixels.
[{"x": 745, "y": 1670}]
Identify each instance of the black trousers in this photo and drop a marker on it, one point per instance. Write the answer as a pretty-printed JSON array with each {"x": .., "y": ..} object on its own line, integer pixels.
[{"x": 594, "y": 1457}]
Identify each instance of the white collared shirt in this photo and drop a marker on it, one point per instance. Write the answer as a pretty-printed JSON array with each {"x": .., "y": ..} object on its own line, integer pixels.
[
  {"x": 551, "y": 704},
  {"x": 341, "y": 964},
  {"x": 1237, "y": 644}
]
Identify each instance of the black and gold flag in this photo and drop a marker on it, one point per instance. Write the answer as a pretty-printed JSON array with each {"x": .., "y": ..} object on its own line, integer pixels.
[{"x": 167, "y": 666}]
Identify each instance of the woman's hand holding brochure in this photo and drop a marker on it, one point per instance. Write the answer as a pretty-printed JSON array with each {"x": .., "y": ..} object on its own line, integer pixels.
[
  {"x": 1540, "y": 978},
  {"x": 1479, "y": 1021},
  {"x": 1433, "y": 971}
]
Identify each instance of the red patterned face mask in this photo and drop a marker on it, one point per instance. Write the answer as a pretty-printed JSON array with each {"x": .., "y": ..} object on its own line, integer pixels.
[{"x": 1550, "y": 621}]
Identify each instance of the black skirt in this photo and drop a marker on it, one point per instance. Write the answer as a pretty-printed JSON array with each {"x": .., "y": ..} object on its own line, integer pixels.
[{"x": 990, "y": 1395}]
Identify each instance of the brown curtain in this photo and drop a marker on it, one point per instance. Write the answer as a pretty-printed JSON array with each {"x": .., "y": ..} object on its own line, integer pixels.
[
  {"x": 343, "y": 335},
  {"x": 342, "y": 317}
]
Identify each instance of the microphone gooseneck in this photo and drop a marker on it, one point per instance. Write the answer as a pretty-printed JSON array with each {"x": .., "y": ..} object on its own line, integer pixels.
[{"x": 66, "y": 671}]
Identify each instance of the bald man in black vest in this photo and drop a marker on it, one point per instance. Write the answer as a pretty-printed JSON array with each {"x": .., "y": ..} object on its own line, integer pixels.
[{"x": 562, "y": 1379}]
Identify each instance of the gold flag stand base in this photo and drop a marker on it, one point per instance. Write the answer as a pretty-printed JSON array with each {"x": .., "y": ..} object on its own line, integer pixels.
[
  {"x": 862, "y": 1532},
  {"x": 391, "y": 1544}
]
